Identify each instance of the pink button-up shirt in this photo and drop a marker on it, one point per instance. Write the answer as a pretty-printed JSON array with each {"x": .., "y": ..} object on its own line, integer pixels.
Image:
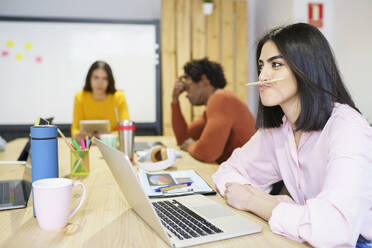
[{"x": 329, "y": 176}]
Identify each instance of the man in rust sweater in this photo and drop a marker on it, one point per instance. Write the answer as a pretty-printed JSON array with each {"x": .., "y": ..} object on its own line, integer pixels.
[{"x": 226, "y": 123}]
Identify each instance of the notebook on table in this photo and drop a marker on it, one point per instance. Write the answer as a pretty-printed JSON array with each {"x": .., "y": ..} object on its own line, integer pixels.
[
  {"x": 14, "y": 193},
  {"x": 181, "y": 221}
]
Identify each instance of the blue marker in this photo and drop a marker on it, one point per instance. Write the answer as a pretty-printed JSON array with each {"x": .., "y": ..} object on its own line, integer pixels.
[{"x": 176, "y": 186}]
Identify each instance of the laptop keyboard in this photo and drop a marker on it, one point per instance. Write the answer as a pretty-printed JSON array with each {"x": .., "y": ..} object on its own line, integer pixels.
[
  {"x": 183, "y": 222},
  {"x": 4, "y": 193}
]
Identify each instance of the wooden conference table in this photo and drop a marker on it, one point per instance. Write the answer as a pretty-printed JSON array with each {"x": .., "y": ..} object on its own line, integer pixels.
[{"x": 105, "y": 218}]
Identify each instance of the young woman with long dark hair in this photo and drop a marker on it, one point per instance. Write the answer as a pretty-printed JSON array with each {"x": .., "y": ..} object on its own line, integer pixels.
[
  {"x": 98, "y": 100},
  {"x": 311, "y": 136}
]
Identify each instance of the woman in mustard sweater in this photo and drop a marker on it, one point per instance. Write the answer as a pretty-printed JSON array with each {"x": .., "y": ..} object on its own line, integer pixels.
[{"x": 98, "y": 100}]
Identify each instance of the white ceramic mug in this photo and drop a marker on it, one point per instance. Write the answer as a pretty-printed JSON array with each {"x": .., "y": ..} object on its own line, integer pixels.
[{"x": 52, "y": 201}]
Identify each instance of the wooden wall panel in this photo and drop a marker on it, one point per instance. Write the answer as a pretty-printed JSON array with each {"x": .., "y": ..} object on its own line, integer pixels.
[
  {"x": 198, "y": 30},
  {"x": 241, "y": 44},
  {"x": 199, "y": 39},
  {"x": 227, "y": 45},
  {"x": 213, "y": 33},
  {"x": 168, "y": 60},
  {"x": 183, "y": 40},
  {"x": 187, "y": 34}
]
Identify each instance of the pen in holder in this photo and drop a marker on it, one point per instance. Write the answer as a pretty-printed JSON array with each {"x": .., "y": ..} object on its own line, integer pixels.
[{"x": 79, "y": 162}]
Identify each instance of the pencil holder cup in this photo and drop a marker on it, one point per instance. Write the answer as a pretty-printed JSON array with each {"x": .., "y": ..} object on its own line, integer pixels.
[{"x": 79, "y": 162}]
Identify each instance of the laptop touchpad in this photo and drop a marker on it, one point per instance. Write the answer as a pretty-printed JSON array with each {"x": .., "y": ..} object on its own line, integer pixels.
[{"x": 213, "y": 211}]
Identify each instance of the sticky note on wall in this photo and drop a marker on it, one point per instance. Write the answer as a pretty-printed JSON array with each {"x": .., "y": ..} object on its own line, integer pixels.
[
  {"x": 19, "y": 56},
  {"x": 9, "y": 43}
]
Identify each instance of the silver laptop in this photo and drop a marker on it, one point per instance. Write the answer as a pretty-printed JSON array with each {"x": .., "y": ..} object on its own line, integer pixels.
[
  {"x": 16, "y": 192},
  {"x": 179, "y": 221}
]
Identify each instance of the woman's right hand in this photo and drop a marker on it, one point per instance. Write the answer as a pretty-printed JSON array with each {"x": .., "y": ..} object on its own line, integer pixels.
[{"x": 179, "y": 87}]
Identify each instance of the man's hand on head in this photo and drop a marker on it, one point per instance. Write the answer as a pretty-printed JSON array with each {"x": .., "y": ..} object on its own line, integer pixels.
[{"x": 179, "y": 88}]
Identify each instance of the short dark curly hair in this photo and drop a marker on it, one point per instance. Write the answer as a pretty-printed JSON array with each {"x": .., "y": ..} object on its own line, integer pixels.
[{"x": 212, "y": 70}]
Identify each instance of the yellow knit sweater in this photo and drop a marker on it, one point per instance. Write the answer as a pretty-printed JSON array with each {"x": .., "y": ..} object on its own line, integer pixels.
[{"x": 87, "y": 108}]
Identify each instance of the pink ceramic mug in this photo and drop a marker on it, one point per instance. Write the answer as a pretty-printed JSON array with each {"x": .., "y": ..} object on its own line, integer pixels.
[{"x": 52, "y": 200}]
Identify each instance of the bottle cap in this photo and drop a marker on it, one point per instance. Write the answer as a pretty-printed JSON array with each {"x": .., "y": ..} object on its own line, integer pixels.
[{"x": 44, "y": 132}]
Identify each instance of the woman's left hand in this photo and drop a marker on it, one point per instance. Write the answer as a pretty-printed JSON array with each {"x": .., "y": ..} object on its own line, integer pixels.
[
  {"x": 248, "y": 198},
  {"x": 239, "y": 196}
]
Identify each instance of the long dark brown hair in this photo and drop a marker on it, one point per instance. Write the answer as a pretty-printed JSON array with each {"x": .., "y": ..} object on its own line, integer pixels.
[
  {"x": 100, "y": 65},
  {"x": 309, "y": 55}
]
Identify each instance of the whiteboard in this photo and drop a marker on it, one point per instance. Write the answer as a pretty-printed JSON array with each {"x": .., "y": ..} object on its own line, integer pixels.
[{"x": 43, "y": 64}]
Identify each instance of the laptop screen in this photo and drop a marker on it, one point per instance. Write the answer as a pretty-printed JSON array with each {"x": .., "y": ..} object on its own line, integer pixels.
[{"x": 15, "y": 185}]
